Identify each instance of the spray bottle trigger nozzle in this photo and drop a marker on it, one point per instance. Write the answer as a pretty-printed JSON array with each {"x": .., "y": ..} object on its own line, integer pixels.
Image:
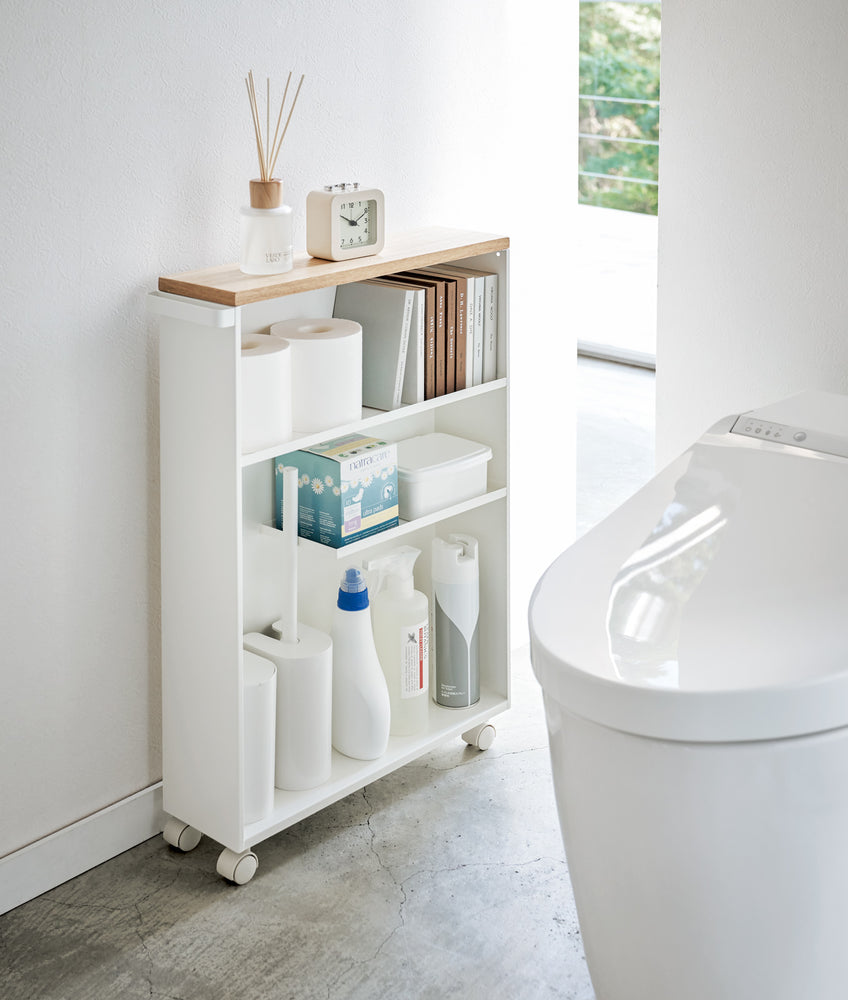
[{"x": 398, "y": 565}]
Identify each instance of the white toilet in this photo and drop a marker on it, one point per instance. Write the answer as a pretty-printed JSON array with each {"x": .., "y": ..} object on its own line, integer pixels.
[{"x": 693, "y": 654}]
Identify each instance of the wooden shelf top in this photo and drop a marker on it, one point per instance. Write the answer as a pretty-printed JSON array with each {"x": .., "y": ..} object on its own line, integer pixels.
[{"x": 227, "y": 285}]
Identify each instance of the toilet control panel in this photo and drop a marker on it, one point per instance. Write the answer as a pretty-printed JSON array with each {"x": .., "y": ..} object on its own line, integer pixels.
[{"x": 795, "y": 437}]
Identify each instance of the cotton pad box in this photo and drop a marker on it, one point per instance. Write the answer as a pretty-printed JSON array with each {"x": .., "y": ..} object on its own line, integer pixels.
[
  {"x": 347, "y": 489},
  {"x": 437, "y": 470}
]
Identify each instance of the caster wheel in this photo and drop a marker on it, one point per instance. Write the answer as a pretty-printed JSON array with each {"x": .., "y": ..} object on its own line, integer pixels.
[
  {"x": 238, "y": 868},
  {"x": 481, "y": 737},
  {"x": 181, "y": 835}
]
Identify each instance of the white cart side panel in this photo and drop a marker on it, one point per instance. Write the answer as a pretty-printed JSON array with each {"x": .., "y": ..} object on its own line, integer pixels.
[
  {"x": 201, "y": 577},
  {"x": 495, "y": 588}
]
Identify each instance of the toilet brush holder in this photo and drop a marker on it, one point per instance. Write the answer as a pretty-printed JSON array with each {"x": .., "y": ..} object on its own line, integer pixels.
[
  {"x": 303, "y": 657},
  {"x": 303, "y": 747}
]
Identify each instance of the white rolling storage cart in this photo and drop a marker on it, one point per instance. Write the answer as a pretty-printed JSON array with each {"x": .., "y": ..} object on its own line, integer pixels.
[{"x": 219, "y": 577}]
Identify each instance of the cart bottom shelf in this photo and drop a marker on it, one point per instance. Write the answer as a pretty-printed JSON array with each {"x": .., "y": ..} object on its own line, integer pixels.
[
  {"x": 238, "y": 862},
  {"x": 349, "y": 775}
]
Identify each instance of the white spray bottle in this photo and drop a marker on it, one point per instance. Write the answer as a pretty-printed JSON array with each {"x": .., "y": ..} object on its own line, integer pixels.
[
  {"x": 456, "y": 609},
  {"x": 401, "y": 622},
  {"x": 361, "y": 711}
]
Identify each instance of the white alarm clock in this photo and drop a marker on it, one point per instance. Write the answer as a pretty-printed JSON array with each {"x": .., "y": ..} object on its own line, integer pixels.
[{"x": 345, "y": 221}]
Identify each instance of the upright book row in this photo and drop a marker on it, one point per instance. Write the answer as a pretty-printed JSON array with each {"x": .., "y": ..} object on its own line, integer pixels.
[{"x": 425, "y": 332}]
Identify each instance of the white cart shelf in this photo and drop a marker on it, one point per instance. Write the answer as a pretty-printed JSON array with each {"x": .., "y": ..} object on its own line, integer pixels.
[{"x": 219, "y": 550}]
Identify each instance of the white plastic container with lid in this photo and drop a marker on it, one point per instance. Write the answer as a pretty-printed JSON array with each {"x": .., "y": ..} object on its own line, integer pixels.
[{"x": 437, "y": 470}]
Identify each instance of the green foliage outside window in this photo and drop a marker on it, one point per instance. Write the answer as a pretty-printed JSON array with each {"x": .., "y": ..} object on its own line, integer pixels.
[{"x": 619, "y": 59}]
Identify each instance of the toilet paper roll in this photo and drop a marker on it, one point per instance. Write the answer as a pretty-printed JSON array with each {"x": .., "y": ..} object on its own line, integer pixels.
[
  {"x": 304, "y": 705},
  {"x": 266, "y": 396},
  {"x": 326, "y": 371},
  {"x": 260, "y": 706}
]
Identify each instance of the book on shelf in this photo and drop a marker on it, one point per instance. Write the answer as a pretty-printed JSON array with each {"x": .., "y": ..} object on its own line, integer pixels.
[
  {"x": 445, "y": 315},
  {"x": 464, "y": 320},
  {"x": 485, "y": 368},
  {"x": 413, "y": 377},
  {"x": 463, "y": 316},
  {"x": 384, "y": 312},
  {"x": 450, "y": 335},
  {"x": 490, "y": 329},
  {"x": 435, "y": 358},
  {"x": 448, "y": 345}
]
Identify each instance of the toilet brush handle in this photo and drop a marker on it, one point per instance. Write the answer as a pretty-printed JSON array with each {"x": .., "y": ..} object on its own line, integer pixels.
[{"x": 288, "y": 617}]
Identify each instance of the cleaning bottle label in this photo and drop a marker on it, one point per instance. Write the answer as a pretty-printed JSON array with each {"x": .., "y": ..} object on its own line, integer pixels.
[
  {"x": 414, "y": 660},
  {"x": 457, "y": 661}
]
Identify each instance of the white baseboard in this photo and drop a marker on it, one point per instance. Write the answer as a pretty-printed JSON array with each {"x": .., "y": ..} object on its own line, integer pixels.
[{"x": 75, "y": 849}]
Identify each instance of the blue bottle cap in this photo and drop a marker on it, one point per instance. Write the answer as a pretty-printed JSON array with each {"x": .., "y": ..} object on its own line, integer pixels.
[{"x": 353, "y": 593}]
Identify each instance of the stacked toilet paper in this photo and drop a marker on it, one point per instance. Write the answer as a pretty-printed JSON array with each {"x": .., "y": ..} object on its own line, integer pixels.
[
  {"x": 306, "y": 375},
  {"x": 266, "y": 379},
  {"x": 326, "y": 371}
]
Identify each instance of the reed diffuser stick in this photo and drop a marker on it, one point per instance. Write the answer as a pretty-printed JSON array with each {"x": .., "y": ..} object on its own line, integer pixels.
[
  {"x": 254, "y": 110},
  {"x": 263, "y": 144},
  {"x": 267, "y": 149},
  {"x": 285, "y": 129},
  {"x": 280, "y": 114}
]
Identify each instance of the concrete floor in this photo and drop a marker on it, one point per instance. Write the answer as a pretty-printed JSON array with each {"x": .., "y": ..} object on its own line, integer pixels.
[{"x": 446, "y": 879}]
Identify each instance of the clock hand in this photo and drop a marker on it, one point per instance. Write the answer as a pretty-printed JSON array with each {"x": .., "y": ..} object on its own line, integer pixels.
[{"x": 350, "y": 222}]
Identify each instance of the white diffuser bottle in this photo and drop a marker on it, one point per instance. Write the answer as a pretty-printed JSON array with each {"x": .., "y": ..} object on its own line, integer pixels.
[
  {"x": 266, "y": 230},
  {"x": 402, "y": 636},
  {"x": 361, "y": 711},
  {"x": 266, "y": 224}
]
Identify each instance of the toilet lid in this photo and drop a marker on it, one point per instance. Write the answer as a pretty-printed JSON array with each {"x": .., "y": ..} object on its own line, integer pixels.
[{"x": 711, "y": 606}]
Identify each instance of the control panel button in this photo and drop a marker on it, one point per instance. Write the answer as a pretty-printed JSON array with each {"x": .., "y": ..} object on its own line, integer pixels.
[{"x": 812, "y": 439}]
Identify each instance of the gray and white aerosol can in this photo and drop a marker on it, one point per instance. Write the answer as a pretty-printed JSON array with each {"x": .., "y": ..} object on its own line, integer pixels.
[{"x": 455, "y": 633}]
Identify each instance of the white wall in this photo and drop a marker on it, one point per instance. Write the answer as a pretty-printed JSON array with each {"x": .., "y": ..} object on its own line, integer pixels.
[
  {"x": 127, "y": 150},
  {"x": 753, "y": 220}
]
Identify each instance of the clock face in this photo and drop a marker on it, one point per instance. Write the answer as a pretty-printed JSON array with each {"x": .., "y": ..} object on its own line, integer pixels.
[{"x": 357, "y": 223}]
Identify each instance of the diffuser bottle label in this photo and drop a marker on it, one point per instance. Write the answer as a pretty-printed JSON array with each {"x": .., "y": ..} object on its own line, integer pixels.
[
  {"x": 283, "y": 257},
  {"x": 414, "y": 660}
]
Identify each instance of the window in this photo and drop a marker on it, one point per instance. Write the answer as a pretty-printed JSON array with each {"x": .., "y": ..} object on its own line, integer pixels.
[
  {"x": 619, "y": 105},
  {"x": 618, "y": 101}
]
